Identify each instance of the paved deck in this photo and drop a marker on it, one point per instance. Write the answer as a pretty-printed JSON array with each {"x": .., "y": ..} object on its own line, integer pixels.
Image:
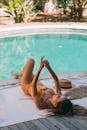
[
  {"x": 51, "y": 123},
  {"x": 42, "y": 28}
]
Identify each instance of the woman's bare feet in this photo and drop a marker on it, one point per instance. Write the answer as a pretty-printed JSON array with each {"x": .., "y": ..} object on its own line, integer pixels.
[{"x": 16, "y": 75}]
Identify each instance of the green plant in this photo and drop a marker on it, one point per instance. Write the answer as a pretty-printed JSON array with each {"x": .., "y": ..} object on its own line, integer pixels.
[
  {"x": 63, "y": 4},
  {"x": 76, "y": 8},
  {"x": 20, "y": 10}
]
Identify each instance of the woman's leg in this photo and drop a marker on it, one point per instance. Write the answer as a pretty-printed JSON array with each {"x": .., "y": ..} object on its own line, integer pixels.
[{"x": 28, "y": 72}]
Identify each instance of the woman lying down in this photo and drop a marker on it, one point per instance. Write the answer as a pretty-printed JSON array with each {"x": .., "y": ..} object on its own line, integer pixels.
[{"x": 44, "y": 97}]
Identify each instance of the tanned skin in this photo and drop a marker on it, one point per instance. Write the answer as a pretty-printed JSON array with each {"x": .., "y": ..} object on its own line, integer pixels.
[{"x": 30, "y": 83}]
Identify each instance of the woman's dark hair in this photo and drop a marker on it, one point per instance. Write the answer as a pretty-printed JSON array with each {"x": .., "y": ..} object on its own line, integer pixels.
[
  {"x": 67, "y": 107},
  {"x": 79, "y": 110},
  {"x": 64, "y": 108}
]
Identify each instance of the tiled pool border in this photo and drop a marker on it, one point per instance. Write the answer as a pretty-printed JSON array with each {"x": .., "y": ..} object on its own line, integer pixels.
[{"x": 42, "y": 28}]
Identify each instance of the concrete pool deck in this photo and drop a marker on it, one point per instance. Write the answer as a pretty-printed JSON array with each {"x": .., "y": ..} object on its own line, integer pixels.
[
  {"x": 40, "y": 28},
  {"x": 55, "y": 122}
]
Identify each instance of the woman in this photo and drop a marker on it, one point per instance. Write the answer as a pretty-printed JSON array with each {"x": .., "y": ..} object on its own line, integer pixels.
[{"x": 44, "y": 97}]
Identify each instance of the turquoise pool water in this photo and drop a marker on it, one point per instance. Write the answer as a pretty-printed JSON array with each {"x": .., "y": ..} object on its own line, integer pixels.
[{"x": 65, "y": 52}]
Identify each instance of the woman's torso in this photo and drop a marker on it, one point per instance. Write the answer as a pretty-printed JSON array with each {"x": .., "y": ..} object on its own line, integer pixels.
[{"x": 43, "y": 92}]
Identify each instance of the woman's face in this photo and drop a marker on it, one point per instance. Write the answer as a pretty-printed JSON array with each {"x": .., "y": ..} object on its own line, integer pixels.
[{"x": 56, "y": 99}]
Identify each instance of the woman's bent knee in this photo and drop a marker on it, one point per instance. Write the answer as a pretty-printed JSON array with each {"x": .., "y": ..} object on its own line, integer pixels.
[{"x": 31, "y": 61}]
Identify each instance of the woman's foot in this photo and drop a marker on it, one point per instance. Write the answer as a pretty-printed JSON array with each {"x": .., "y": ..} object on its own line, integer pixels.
[{"x": 15, "y": 75}]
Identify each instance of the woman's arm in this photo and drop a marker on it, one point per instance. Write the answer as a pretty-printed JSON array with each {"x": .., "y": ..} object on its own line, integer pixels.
[
  {"x": 38, "y": 101},
  {"x": 35, "y": 79},
  {"x": 56, "y": 80}
]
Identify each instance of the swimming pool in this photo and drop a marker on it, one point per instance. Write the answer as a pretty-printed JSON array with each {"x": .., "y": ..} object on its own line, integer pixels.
[{"x": 65, "y": 52}]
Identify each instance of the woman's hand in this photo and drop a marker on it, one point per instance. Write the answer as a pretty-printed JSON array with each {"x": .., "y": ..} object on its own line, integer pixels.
[
  {"x": 46, "y": 63},
  {"x": 41, "y": 63}
]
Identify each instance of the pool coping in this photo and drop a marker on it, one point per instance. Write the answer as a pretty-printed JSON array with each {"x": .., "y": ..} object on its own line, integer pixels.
[{"x": 40, "y": 28}]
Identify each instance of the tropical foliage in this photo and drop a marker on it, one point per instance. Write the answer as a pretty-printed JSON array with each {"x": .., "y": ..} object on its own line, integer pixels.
[
  {"x": 24, "y": 10},
  {"x": 75, "y": 8},
  {"x": 40, "y": 4},
  {"x": 20, "y": 10},
  {"x": 63, "y": 4}
]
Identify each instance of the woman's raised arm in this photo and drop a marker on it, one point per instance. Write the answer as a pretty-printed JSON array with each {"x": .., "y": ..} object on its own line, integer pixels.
[
  {"x": 56, "y": 80},
  {"x": 35, "y": 79}
]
